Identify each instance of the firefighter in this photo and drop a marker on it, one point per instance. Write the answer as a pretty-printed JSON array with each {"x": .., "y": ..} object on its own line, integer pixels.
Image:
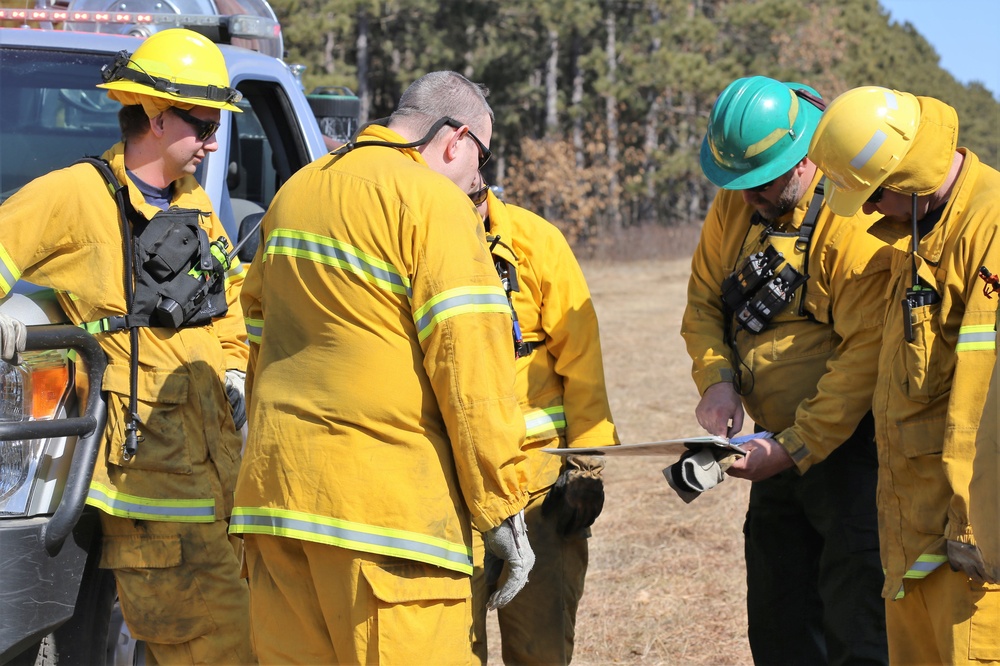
[
  {"x": 170, "y": 456},
  {"x": 561, "y": 391},
  {"x": 783, "y": 320},
  {"x": 893, "y": 153},
  {"x": 384, "y": 427}
]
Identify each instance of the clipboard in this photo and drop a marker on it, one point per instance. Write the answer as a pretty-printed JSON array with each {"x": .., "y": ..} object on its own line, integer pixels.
[{"x": 666, "y": 447}]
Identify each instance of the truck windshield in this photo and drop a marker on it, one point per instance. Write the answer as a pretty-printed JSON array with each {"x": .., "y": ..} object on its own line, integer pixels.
[{"x": 51, "y": 113}]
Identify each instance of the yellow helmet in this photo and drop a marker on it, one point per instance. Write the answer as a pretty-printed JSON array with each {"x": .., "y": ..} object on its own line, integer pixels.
[
  {"x": 861, "y": 139},
  {"x": 178, "y": 65}
]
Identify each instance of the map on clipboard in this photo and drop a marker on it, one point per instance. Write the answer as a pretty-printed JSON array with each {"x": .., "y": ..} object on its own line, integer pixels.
[{"x": 665, "y": 447}]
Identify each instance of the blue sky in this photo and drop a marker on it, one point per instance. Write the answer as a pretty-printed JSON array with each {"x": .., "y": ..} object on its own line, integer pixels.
[{"x": 965, "y": 34}]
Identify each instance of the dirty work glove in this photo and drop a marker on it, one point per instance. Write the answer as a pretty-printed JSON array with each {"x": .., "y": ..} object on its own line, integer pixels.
[
  {"x": 577, "y": 497},
  {"x": 698, "y": 470},
  {"x": 12, "y": 335},
  {"x": 508, "y": 541},
  {"x": 966, "y": 557},
  {"x": 235, "y": 379}
]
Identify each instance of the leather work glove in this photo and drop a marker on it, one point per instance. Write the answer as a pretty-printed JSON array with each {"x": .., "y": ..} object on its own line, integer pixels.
[
  {"x": 508, "y": 541},
  {"x": 577, "y": 497},
  {"x": 698, "y": 470},
  {"x": 12, "y": 336},
  {"x": 235, "y": 380},
  {"x": 966, "y": 557}
]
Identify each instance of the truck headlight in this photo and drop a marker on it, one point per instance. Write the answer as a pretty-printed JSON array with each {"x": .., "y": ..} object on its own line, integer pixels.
[{"x": 35, "y": 390}]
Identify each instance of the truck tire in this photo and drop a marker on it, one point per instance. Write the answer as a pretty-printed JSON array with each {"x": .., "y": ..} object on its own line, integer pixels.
[{"x": 84, "y": 639}]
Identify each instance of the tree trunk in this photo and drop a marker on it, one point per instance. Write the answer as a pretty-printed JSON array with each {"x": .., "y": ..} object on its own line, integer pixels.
[
  {"x": 576, "y": 100},
  {"x": 611, "y": 119},
  {"x": 364, "y": 89},
  {"x": 551, "y": 86}
]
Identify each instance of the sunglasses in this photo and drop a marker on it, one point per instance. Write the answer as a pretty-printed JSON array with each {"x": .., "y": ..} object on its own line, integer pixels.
[
  {"x": 876, "y": 196},
  {"x": 760, "y": 188},
  {"x": 479, "y": 196},
  {"x": 204, "y": 129},
  {"x": 484, "y": 153}
]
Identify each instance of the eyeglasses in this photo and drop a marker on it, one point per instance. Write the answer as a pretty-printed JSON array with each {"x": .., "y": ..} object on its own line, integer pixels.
[
  {"x": 484, "y": 153},
  {"x": 479, "y": 196},
  {"x": 204, "y": 129},
  {"x": 761, "y": 188},
  {"x": 876, "y": 196}
]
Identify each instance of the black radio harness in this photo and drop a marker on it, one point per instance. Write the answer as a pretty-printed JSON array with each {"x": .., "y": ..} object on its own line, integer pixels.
[{"x": 174, "y": 278}]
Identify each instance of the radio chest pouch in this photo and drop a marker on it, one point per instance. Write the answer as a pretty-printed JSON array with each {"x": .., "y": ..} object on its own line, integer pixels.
[
  {"x": 180, "y": 275},
  {"x": 174, "y": 278},
  {"x": 758, "y": 292}
]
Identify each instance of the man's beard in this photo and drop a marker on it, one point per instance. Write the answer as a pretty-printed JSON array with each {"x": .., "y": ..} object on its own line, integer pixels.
[{"x": 787, "y": 201}]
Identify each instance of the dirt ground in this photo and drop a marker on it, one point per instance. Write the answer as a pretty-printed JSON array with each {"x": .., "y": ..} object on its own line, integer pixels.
[{"x": 666, "y": 583}]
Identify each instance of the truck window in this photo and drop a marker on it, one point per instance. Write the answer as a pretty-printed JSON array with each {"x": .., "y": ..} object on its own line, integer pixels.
[
  {"x": 266, "y": 145},
  {"x": 51, "y": 114}
]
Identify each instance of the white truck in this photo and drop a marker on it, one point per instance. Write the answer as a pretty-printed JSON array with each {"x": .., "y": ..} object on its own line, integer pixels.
[{"x": 56, "y": 605}]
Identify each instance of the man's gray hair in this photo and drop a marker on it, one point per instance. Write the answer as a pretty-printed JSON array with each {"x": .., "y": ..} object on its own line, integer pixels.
[{"x": 439, "y": 94}]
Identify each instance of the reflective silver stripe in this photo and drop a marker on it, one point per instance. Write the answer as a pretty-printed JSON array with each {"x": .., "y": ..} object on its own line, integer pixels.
[
  {"x": 890, "y": 100},
  {"x": 869, "y": 150},
  {"x": 542, "y": 420},
  {"x": 255, "y": 328},
  {"x": 124, "y": 505},
  {"x": 463, "y": 301},
  {"x": 330, "y": 251},
  {"x": 354, "y": 536},
  {"x": 976, "y": 338},
  {"x": 9, "y": 274}
]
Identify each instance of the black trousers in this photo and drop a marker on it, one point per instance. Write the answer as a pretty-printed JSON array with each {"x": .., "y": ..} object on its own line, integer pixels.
[{"x": 814, "y": 577}]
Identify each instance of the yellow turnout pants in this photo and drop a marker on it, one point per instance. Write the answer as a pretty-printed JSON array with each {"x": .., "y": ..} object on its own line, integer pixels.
[
  {"x": 944, "y": 619},
  {"x": 316, "y": 604},
  {"x": 180, "y": 589},
  {"x": 538, "y": 626}
]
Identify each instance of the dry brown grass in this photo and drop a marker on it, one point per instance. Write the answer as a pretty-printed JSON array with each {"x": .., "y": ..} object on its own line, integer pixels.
[{"x": 666, "y": 583}]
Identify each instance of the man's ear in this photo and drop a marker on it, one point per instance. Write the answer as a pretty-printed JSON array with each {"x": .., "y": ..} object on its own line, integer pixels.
[
  {"x": 451, "y": 148},
  {"x": 801, "y": 167},
  {"x": 156, "y": 124}
]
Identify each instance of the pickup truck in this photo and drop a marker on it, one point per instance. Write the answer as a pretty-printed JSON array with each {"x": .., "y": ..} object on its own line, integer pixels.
[{"x": 56, "y": 606}]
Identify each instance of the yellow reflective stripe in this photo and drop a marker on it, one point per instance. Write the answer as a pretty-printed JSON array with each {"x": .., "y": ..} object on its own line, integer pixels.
[
  {"x": 237, "y": 268},
  {"x": 537, "y": 421},
  {"x": 9, "y": 272},
  {"x": 777, "y": 134},
  {"x": 255, "y": 329},
  {"x": 924, "y": 565},
  {"x": 331, "y": 252},
  {"x": 353, "y": 536},
  {"x": 124, "y": 505},
  {"x": 976, "y": 338},
  {"x": 460, "y": 300},
  {"x": 922, "y": 568}
]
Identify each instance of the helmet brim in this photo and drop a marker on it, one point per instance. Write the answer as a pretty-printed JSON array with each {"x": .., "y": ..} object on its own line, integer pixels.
[
  {"x": 140, "y": 89},
  {"x": 844, "y": 202}
]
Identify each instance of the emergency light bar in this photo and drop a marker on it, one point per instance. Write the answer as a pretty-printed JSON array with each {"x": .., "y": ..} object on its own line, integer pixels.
[{"x": 240, "y": 26}]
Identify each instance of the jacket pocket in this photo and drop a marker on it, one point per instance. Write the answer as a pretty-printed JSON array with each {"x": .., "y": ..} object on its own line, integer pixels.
[
  {"x": 171, "y": 443},
  {"x": 415, "y": 582},
  {"x": 920, "y": 477},
  {"x": 923, "y": 380},
  {"x": 161, "y": 601}
]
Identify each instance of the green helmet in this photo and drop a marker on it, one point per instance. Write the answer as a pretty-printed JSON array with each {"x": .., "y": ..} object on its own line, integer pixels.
[{"x": 758, "y": 130}]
